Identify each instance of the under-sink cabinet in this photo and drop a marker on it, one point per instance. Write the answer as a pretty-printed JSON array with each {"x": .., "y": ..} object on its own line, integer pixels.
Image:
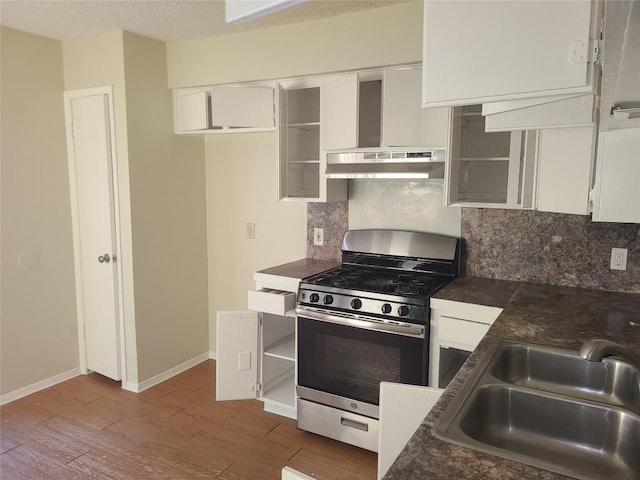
[
  {"x": 456, "y": 330},
  {"x": 256, "y": 351}
]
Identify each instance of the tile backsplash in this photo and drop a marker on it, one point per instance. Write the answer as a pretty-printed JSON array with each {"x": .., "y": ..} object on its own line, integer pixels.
[
  {"x": 520, "y": 245},
  {"x": 558, "y": 249},
  {"x": 334, "y": 219}
]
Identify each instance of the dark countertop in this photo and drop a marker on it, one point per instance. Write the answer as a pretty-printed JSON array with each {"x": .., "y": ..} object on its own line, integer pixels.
[
  {"x": 479, "y": 291},
  {"x": 301, "y": 268},
  {"x": 545, "y": 314}
]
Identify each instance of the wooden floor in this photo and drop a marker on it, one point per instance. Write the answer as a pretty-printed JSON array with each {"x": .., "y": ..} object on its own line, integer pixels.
[{"x": 89, "y": 428}]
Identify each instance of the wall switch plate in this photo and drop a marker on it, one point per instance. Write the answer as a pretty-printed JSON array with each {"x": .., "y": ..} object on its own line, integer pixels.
[
  {"x": 318, "y": 236},
  {"x": 251, "y": 230},
  {"x": 619, "y": 258}
]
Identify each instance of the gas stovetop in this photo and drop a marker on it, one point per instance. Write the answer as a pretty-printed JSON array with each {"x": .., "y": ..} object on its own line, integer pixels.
[
  {"x": 386, "y": 275},
  {"x": 378, "y": 280}
]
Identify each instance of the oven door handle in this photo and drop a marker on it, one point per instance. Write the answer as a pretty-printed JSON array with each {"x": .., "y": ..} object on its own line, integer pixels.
[{"x": 405, "y": 329}]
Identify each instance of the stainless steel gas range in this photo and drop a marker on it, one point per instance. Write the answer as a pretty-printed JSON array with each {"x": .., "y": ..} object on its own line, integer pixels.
[{"x": 366, "y": 322}]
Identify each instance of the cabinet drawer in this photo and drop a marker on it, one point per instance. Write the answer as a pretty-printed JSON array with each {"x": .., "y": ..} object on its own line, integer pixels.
[
  {"x": 267, "y": 300},
  {"x": 460, "y": 331},
  {"x": 337, "y": 424}
]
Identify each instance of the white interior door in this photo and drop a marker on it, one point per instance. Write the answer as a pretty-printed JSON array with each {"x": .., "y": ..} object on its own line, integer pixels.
[
  {"x": 94, "y": 225},
  {"x": 237, "y": 355}
]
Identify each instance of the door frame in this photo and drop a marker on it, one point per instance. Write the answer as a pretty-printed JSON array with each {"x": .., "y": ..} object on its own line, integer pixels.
[{"x": 69, "y": 95}]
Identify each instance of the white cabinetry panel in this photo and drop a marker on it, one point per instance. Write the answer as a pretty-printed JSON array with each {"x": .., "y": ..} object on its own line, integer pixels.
[
  {"x": 476, "y": 52},
  {"x": 237, "y": 355},
  {"x": 339, "y": 113},
  {"x": 402, "y": 410},
  {"x": 565, "y": 167},
  {"x": 617, "y": 196},
  {"x": 564, "y": 113},
  {"x": 404, "y": 122}
]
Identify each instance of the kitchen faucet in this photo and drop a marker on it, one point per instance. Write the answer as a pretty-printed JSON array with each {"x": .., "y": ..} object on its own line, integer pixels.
[{"x": 596, "y": 350}]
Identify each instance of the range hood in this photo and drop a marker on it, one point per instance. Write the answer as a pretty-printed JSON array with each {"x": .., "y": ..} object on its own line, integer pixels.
[{"x": 386, "y": 163}]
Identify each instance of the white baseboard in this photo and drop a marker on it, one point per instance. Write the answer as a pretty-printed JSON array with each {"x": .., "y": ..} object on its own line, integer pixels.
[
  {"x": 161, "y": 377},
  {"x": 41, "y": 385},
  {"x": 212, "y": 355}
]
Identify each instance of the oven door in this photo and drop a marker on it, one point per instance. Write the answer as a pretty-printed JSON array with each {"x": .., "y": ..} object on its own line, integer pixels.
[{"x": 342, "y": 359}]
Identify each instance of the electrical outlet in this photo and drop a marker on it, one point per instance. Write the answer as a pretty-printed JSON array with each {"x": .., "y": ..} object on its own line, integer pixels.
[
  {"x": 318, "y": 236},
  {"x": 251, "y": 230},
  {"x": 619, "y": 259}
]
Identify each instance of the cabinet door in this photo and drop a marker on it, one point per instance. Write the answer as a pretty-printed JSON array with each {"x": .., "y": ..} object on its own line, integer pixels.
[
  {"x": 242, "y": 107},
  {"x": 565, "y": 166},
  {"x": 402, "y": 410},
  {"x": 404, "y": 122},
  {"x": 617, "y": 186},
  {"x": 339, "y": 113},
  {"x": 476, "y": 52},
  {"x": 281, "y": 138},
  {"x": 237, "y": 355},
  {"x": 192, "y": 111},
  {"x": 490, "y": 170},
  {"x": 573, "y": 112}
]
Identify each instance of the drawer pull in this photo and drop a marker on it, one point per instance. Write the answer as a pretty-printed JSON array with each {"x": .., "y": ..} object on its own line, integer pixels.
[{"x": 353, "y": 424}]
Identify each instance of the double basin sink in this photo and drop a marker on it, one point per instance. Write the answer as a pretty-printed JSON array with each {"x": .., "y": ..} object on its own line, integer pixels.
[{"x": 552, "y": 409}]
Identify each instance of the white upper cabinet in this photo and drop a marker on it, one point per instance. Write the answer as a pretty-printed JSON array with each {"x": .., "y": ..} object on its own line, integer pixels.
[
  {"x": 565, "y": 167},
  {"x": 480, "y": 52},
  {"x": 490, "y": 170},
  {"x": 226, "y": 109},
  {"x": 301, "y": 162},
  {"x": 404, "y": 122},
  {"x": 380, "y": 109},
  {"x": 571, "y": 112},
  {"x": 340, "y": 113},
  {"x": 616, "y": 192}
]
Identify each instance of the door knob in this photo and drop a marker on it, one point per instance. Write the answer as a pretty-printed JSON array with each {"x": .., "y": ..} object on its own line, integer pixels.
[{"x": 104, "y": 258}]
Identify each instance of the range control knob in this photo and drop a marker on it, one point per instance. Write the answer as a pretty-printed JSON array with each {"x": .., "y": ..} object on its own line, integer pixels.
[
  {"x": 386, "y": 308},
  {"x": 314, "y": 297},
  {"x": 403, "y": 310},
  {"x": 356, "y": 303},
  {"x": 328, "y": 299}
]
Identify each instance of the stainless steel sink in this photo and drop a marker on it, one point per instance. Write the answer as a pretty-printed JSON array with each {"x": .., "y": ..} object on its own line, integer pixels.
[
  {"x": 550, "y": 409},
  {"x": 562, "y": 371}
]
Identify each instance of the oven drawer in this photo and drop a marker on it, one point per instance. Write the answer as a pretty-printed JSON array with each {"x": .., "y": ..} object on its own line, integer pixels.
[
  {"x": 267, "y": 300},
  {"x": 337, "y": 424},
  {"x": 460, "y": 331}
]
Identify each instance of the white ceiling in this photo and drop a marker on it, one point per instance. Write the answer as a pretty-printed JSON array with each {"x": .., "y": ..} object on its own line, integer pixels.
[{"x": 166, "y": 20}]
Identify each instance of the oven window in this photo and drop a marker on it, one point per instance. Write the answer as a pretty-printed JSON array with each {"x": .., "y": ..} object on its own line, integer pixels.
[{"x": 351, "y": 362}]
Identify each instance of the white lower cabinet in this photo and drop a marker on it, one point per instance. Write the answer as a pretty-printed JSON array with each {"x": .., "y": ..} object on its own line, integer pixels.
[
  {"x": 456, "y": 330},
  {"x": 256, "y": 359}
]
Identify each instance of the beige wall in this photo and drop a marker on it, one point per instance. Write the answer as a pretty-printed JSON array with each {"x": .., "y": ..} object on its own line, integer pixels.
[
  {"x": 97, "y": 61},
  {"x": 370, "y": 38},
  {"x": 168, "y": 217},
  {"x": 241, "y": 168},
  {"x": 39, "y": 336},
  {"x": 241, "y": 189}
]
